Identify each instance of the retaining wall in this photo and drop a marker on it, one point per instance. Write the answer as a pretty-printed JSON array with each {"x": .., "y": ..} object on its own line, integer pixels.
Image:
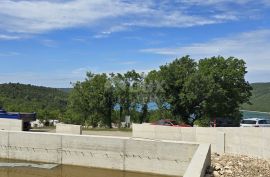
[
  {"x": 128, "y": 154},
  {"x": 11, "y": 124},
  {"x": 246, "y": 141},
  {"x": 69, "y": 129}
]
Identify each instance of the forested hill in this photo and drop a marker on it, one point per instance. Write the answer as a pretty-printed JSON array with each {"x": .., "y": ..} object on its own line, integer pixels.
[
  {"x": 51, "y": 102},
  {"x": 47, "y": 102},
  {"x": 260, "y": 98},
  {"x": 67, "y": 90}
]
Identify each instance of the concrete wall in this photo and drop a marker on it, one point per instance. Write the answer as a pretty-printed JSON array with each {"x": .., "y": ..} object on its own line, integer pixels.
[
  {"x": 246, "y": 141},
  {"x": 200, "y": 162},
  {"x": 69, "y": 129},
  {"x": 128, "y": 154},
  {"x": 11, "y": 124}
]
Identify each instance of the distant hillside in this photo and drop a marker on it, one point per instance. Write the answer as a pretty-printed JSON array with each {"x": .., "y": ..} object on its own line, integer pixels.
[
  {"x": 52, "y": 102},
  {"x": 47, "y": 102},
  {"x": 67, "y": 90},
  {"x": 260, "y": 99}
]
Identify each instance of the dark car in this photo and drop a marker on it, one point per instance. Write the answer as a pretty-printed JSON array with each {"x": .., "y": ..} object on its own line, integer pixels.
[
  {"x": 224, "y": 122},
  {"x": 169, "y": 122}
]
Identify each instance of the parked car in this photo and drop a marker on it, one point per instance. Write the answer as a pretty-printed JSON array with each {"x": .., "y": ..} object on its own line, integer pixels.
[
  {"x": 169, "y": 122},
  {"x": 255, "y": 122},
  {"x": 224, "y": 122}
]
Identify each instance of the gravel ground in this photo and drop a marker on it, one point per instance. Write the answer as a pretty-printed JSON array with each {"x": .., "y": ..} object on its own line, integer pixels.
[{"x": 237, "y": 166}]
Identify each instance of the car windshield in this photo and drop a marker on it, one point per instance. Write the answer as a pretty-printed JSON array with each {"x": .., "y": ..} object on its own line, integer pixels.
[
  {"x": 248, "y": 121},
  {"x": 263, "y": 122}
]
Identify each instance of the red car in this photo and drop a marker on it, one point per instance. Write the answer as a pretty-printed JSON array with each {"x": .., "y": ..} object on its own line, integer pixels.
[{"x": 168, "y": 122}]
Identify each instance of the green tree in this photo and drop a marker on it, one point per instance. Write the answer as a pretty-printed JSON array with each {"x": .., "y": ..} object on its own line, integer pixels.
[
  {"x": 142, "y": 97},
  {"x": 127, "y": 87},
  {"x": 156, "y": 93},
  {"x": 93, "y": 100},
  {"x": 120, "y": 94},
  {"x": 227, "y": 87},
  {"x": 174, "y": 76}
]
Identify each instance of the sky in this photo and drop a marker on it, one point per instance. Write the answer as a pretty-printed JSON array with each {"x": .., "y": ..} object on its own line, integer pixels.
[{"x": 54, "y": 43}]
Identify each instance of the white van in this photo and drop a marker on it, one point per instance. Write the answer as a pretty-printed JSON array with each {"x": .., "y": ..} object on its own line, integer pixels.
[{"x": 255, "y": 122}]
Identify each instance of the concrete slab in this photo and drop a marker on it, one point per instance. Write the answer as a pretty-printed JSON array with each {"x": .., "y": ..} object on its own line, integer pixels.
[
  {"x": 68, "y": 129},
  {"x": 11, "y": 124}
]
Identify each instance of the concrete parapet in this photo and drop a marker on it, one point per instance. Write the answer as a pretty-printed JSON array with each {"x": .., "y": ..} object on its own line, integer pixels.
[
  {"x": 166, "y": 157},
  {"x": 143, "y": 131},
  {"x": 11, "y": 124},
  {"x": 200, "y": 161},
  {"x": 94, "y": 151},
  {"x": 235, "y": 140},
  {"x": 220, "y": 145},
  {"x": 68, "y": 129},
  {"x": 161, "y": 157},
  {"x": 4, "y": 138},
  {"x": 28, "y": 146}
]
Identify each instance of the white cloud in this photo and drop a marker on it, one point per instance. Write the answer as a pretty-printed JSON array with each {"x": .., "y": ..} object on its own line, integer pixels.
[
  {"x": 252, "y": 46},
  {"x": 114, "y": 15},
  {"x": 9, "y": 37},
  {"x": 211, "y": 2},
  {"x": 111, "y": 30},
  {"x": 49, "y": 43},
  {"x": 42, "y": 16},
  {"x": 80, "y": 71}
]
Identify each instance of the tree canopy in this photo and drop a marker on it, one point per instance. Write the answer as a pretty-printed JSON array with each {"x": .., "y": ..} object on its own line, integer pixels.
[{"x": 185, "y": 90}]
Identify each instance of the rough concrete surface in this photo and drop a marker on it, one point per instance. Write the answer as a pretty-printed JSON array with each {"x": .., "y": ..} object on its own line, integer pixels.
[
  {"x": 235, "y": 140},
  {"x": 11, "y": 124},
  {"x": 69, "y": 129},
  {"x": 121, "y": 153}
]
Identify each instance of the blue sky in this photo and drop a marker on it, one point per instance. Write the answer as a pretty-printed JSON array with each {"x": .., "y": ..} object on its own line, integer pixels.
[{"x": 54, "y": 42}]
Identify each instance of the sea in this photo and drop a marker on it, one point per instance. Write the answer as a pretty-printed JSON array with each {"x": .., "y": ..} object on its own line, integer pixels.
[{"x": 255, "y": 114}]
